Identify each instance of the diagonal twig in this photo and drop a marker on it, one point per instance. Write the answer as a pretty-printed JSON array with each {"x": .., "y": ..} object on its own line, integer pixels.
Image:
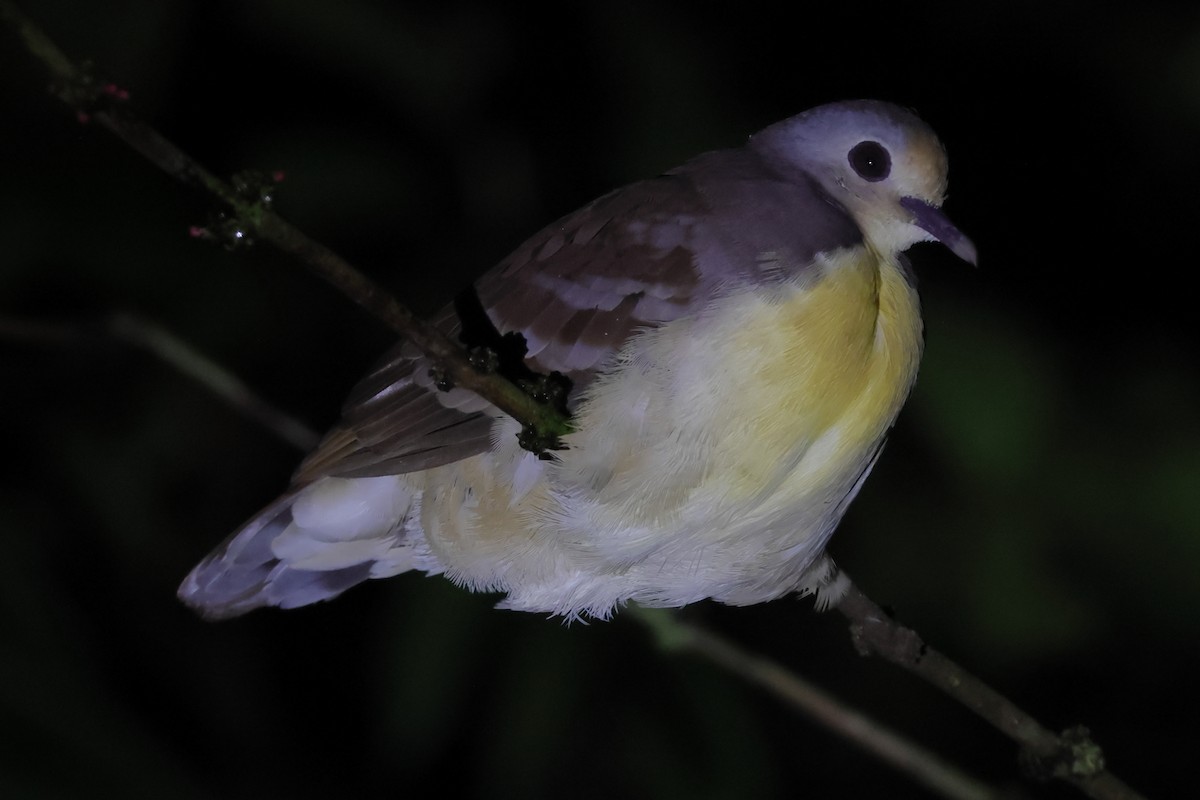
[
  {"x": 145, "y": 335},
  {"x": 921, "y": 765},
  {"x": 1070, "y": 756},
  {"x": 105, "y": 106}
]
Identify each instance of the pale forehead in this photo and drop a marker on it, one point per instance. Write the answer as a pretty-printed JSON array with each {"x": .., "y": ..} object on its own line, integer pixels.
[
  {"x": 868, "y": 119},
  {"x": 828, "y": 133}
]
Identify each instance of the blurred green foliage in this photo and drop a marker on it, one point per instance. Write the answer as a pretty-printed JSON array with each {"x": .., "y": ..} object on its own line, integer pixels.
[{"x": 1035, "y": 516}]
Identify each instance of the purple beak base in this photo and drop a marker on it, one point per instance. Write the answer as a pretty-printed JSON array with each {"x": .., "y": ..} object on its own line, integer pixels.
[{"x": 938, "y": 225}]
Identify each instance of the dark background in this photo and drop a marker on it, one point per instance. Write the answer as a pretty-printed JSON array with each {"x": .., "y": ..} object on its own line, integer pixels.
[{"x": 1035, "y": 516}]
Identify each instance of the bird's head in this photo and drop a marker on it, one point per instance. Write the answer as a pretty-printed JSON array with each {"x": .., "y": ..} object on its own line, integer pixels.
[{"x": 880, "y": 162}]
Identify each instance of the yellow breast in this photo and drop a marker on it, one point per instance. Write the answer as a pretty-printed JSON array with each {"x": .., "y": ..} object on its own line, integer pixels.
[{"x": 824, "y": 367}]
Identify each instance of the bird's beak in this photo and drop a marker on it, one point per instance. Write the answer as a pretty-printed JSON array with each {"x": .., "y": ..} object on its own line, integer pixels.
[{"x": 938, "y": 225}]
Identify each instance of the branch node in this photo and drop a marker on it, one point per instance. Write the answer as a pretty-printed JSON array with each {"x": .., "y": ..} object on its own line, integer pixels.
[
  {"x": 485, "y": 360},
  {"x": 1076, "y": 756},
  {"x": 257, "y": 189},
  {"x": 224, "y": 229},
  {"x": 540, "y": 444},
  {"x": 442, "y": 378},
  {"x": 251, "y": 195},
  {"x": 549, "y": 390},
  {"x": 875, "y": 635}
]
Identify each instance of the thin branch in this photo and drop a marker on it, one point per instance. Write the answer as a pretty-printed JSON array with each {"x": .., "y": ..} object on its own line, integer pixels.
[
  {"x": 105, "y": 105},
  {"x": 224, "y": 384},
  {"x": 172, "y": 351},
  {"x": 1070, "y": 756},
  {"x": 875, "y": 738}
]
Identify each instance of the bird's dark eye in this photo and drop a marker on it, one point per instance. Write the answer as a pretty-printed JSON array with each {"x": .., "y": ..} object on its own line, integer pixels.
[{"x": 870, "y": 160}]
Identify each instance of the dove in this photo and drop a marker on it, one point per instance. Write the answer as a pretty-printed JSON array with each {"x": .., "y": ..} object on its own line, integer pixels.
[{"x": 740, "y": 334}]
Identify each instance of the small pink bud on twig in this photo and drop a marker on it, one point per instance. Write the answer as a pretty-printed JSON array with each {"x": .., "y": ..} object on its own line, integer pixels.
[{"x": 115, "y": 92}]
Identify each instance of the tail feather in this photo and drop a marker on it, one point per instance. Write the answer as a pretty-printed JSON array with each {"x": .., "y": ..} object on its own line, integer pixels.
[{"x": 244, "y": 572}]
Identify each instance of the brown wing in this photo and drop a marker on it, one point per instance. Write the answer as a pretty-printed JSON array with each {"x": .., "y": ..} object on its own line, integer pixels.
[
  {"x": 640, "y": 256},
  {"x": 581, "y": 286}
]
